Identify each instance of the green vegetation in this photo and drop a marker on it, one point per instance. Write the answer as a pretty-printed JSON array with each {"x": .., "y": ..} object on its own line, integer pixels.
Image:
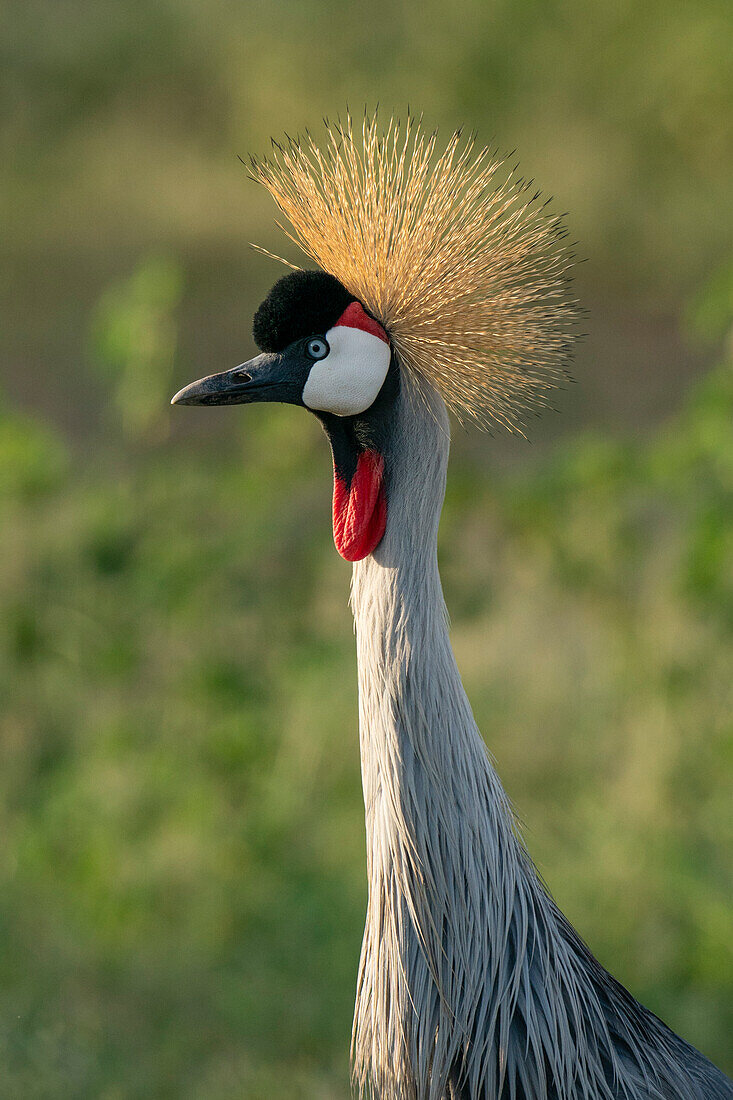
[{"x": 182, "y": 881}]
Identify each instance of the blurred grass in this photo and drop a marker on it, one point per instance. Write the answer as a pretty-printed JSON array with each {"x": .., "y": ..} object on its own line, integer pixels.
[{"x": 182, "y": 878}]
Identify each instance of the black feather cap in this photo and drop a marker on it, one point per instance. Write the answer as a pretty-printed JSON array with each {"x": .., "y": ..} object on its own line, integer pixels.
[{"x": 302, "y": 303}]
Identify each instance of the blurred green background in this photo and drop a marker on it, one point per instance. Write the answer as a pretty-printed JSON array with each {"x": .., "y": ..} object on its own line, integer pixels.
[{"x": 182, "y": 881}]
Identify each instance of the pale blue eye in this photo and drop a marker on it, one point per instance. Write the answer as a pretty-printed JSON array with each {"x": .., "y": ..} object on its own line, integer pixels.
[{"x": 318, "y": 347}]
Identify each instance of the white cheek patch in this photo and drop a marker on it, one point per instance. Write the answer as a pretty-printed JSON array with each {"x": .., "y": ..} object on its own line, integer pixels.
[{"x": 348, "y": 380}]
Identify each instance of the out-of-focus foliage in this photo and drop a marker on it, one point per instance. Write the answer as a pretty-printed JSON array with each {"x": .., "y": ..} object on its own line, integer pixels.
[
  {"x": 32, "y": 458},
  {"x": 134, "y": 342},
  {"x": 711, "y": 310},
  {"x": 181, "y": 870}
]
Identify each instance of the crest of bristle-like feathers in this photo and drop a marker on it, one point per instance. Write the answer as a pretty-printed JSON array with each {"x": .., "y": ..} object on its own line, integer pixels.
[{"x": 455, "y": 254}]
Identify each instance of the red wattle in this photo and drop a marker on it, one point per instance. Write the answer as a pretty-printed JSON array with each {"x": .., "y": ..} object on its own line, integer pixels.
[{"x": 360, "y": 509}]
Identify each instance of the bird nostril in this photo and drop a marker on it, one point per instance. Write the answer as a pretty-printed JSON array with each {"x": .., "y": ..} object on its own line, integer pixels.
[{"x": 242, "y": 376}]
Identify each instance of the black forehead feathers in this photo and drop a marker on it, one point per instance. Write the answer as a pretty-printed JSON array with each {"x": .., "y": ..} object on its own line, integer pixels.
[{"x": 303, "y": 303}]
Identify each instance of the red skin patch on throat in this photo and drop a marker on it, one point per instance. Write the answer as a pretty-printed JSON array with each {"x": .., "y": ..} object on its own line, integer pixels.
[{"x": 360, "y": 510}]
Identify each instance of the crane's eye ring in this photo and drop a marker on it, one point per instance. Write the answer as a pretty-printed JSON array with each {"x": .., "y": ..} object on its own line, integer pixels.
[{"x": 317, "y": 347}]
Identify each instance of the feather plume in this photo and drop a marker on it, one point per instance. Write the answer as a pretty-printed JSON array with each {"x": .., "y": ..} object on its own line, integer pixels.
[{"x": 455, "y": 254}]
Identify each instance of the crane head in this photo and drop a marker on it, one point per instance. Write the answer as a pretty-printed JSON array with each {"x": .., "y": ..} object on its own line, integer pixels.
[
  {"x": 441, "y": 271},
  {"x": 321, "y": 349}
]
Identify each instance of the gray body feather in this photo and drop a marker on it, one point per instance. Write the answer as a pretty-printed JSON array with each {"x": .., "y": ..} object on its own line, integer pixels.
[{"x": 472, "y": 985}]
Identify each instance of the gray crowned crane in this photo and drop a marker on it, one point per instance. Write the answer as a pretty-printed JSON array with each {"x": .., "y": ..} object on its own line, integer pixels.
[{"x": 441, "y": 283}]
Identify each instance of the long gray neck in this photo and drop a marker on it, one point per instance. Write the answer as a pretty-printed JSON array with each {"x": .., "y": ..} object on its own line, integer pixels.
[
  {"x": 418, "y": 735},
  {"x": 404, "y": 656},
  {"x": 471, "y": 983},
  {"x": 436, "y": 815}
]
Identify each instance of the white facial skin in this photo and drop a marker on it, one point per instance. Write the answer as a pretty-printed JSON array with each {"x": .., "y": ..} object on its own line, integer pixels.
[{"x": 346, "y": 382}]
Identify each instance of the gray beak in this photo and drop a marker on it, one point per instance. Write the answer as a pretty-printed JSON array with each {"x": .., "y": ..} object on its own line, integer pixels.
[{"x": 267, "y": 377}]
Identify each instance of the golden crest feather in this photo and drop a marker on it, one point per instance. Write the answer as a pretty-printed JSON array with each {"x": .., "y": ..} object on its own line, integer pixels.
[{"x": 462, "y": 264}]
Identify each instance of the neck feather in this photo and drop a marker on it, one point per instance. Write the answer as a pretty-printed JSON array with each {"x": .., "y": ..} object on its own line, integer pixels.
[
  {"x": 441, "y": 847},
  {"x": 471, "y": 983}
]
